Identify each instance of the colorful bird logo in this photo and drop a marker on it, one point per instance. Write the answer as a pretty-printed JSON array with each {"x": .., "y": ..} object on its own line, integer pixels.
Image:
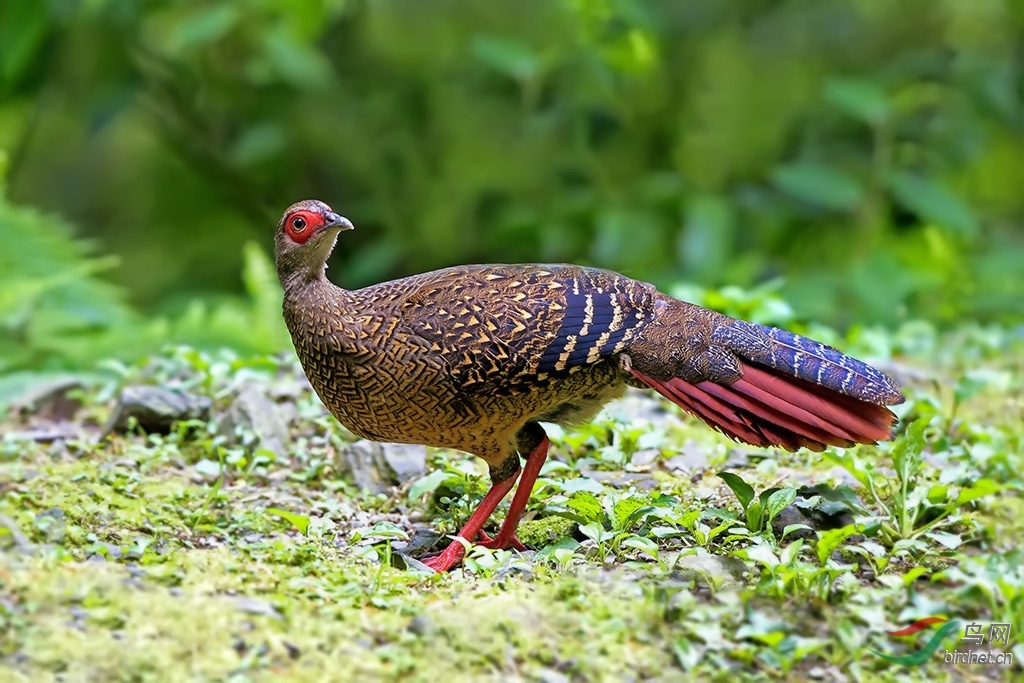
[{"x": 917, "y": 658}]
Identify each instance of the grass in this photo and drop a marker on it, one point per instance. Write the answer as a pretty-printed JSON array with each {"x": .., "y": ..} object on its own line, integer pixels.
[{"x": 663, "y": 551}]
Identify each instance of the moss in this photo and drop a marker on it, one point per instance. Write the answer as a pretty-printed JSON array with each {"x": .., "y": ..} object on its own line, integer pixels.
[{"x": 538, "y": 533}]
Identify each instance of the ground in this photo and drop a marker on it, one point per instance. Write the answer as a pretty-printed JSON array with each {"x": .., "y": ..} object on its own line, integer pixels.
[{"x": 219, "y": 550}]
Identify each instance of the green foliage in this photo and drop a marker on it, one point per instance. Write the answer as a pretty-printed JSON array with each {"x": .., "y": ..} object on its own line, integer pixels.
[
  {"x": 760, "y": 511},
  {"x": 57, "y": 312},
  {"x": 53, "y": 306},
  {"x": 907, "y": 509},
  {"x": 874, "y": 168}
]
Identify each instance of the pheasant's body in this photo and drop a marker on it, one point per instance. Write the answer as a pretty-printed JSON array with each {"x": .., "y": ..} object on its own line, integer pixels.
[
  {"x": 464, "y": 357},
  {"x": 474, "y": 357}
]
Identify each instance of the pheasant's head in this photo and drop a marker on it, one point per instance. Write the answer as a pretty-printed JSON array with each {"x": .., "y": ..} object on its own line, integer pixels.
[{"x": 305, "y": 237}]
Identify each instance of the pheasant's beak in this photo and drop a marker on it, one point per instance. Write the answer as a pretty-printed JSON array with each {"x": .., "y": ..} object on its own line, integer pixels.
[{"x": 336, "y": 222}]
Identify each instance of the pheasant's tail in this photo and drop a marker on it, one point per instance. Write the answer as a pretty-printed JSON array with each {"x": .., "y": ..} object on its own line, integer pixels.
[{"x": 793, "y": 392}]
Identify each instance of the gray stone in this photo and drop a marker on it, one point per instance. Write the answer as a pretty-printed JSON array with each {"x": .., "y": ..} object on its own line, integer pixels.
[
  {"x": 253, "y": 411},
  {"x": 407, "y": 461},
  {"x": 377, "y": 467},
  {"x": 50, "y": 399},
  {"x": 725, "y": 569},
  {"x": 155, "y": 409},
  {"x": 256, "y": 606}
]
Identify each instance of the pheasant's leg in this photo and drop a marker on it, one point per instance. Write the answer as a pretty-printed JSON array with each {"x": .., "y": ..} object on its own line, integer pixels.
[
  {"x": 453, "y": 554},
  {"x": 506, "y": 536}
]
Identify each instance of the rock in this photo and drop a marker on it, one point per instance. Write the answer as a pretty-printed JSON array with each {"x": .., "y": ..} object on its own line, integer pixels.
[
  {"x": 787, "y": 517},
  {"x": 377, "y": 467},
  {"x": 422, "y": 626},
  {"x": 256, "y": 606},
  {"x": 253, "y": 411},
  {"x": 51, "y": 523},
  {"x": 155, "y": 409},
  {"x": 726, "y": 569},
  {"x": 552, "y": 676},
  {"x": 422, "y": 540},
  {"x": 407, "y": 461},
  {"x": 692, "y": 457},
  {"x": 645, "y": 457},
  {"x": 51, "y": 399},
  {"x": 103, "y": 551},
  {"x": 56, "y": 433}
]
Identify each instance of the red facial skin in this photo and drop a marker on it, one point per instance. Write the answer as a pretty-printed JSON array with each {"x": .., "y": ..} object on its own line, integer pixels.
[{"x": 302, "y": 224}]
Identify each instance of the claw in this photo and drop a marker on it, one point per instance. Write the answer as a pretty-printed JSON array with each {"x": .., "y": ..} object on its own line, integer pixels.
[
  {"x": 499, "y": 542},
  {"x": 447, "y": 559}
]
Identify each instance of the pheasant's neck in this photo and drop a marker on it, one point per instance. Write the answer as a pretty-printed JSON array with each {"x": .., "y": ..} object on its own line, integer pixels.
[
  {"x": 312, "y": 308},
  {"x": 306, "y": 288},
  {"x": 296, "y": 280},
  {"x": 302, "y": 269}
]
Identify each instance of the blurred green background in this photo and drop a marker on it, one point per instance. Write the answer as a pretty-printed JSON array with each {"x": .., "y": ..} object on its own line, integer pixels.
[{"x": 867, "y": 156}]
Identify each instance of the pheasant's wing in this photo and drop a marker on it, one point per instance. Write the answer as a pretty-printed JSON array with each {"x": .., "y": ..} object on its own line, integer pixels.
[{"x": 511, "y": 329}]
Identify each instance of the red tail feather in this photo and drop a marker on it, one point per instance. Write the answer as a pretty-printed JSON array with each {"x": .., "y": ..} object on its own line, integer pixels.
[{"x": 768, "y": 408}]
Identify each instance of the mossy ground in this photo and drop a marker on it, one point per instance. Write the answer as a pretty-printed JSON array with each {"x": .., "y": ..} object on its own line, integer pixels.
[{"x": 154, "y": 557}]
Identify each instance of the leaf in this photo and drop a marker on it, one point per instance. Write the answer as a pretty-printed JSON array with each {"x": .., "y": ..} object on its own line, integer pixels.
[
  {"x": 980, "y": 489},
  {"x": 872, "y": 548},
  {"x": 860, "y": 99},
  {"x": 906, "y": 455},
  {"x": 623, "y": 511},
  {"x": 428, "y": 484},
  {"x": 385, "y": 529},
  {"x": 742, "y": 489},
  {"x": 582, "y": 484},
  {"x": 818, "y": 184},
  {"x": 951, "y": 541},
  {"x": 586, "y": 506},
  {"x": 829, "y": 540},
  {"x": 203, "y": 28},
  {"x": 763, "y": 554},
  {"x": 208, "y": 468},
  {"x": 778, "y": 501},
  {"x": 642, "y": 544},
  {"x": 938, "y": 494},
  {"x": 932, "y": 202},
  {"x": 596, "y": 532},
  {"x": 755, "y": 516},
  {"x": 549, "y": 551},
  {"x": 301, "y": 65},
  {"x": 913, "y": 574},
  {"x": 508, "y": 57},
  {"x": 300, "y": 522}
]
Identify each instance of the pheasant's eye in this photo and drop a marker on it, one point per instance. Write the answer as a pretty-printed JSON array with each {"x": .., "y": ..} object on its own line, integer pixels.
[{"x": 298, "y": 223}]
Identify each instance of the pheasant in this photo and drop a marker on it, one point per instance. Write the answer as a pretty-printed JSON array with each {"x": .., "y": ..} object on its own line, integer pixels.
[{"x": 475, "y": 358}]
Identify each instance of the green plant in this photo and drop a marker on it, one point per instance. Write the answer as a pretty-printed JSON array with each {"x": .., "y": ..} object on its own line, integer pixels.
[
  {"x": 759, "y": 511},
  {"x": 908, "y": 507}
]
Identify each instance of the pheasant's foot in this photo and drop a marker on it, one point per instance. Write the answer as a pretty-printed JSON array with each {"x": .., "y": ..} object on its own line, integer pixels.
[
  {"x": 447, "y": 559},
  {"x": 500, "y": 541}
]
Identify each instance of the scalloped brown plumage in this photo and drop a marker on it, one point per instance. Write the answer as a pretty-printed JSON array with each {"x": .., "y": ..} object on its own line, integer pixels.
[{"x": 475, "y": 357}]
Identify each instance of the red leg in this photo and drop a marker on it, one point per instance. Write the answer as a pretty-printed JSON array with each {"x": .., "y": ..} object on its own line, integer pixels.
[
  {"x": 506, "y": 536},
  {"x": 453, "y": 554}
]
